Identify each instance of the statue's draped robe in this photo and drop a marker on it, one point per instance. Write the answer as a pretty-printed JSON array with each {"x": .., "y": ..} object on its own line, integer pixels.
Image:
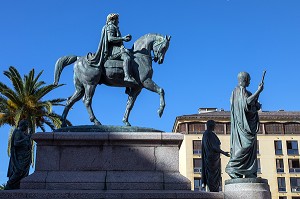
[
  {"x": 243, "y": 138},
  {"x": 97, "y": 59},
  {"x": 20, "y": 158},
  {"x": 211, "y": 162}
]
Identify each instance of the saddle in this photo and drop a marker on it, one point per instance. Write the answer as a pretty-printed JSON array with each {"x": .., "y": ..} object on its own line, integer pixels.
[
  {"x": 114, "y": 69},
  {"x": 113, "y": 64}
]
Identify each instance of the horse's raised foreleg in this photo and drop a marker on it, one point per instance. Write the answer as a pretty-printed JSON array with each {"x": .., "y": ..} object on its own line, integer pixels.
[
  {"x": 78, "y": 94},
  {"x": 87, "y": 100},
  {"x": 132, "y": 95},
  {"x": 152, "y": 86}
]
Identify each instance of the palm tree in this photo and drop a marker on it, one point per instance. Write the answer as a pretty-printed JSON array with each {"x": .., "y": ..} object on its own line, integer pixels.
[
  {"x": 25, "y": 101},
  {"x": 2, "y": 186}
]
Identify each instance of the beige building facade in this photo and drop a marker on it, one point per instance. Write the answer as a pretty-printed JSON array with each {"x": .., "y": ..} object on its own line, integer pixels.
[{"x": 278, "y": 148}]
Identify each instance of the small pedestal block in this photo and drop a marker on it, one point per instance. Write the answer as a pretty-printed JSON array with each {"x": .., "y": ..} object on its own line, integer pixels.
[{"x": 247, "y": 188}]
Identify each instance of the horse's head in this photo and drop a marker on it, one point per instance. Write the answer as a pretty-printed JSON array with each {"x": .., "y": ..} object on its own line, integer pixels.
[{"x": 160, "y": 47}]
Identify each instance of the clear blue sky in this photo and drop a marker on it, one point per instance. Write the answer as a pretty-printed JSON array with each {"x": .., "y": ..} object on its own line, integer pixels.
[{"x": 212, "y": 40}]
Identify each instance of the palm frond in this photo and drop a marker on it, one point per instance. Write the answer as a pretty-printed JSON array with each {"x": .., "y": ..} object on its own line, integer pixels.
[
  {"x": 56, "y": 119},
  {"x": 18, "y": 114},
  {"x": 11, "y": 130},
  {"x": 16, "y": 80},
  {"x": 45, "y": 90}
]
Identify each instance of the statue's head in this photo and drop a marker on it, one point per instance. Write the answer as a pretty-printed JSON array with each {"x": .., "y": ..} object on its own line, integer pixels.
[
  {"x": 210, "y": 124},
  {"x": 244, "y": 79},
  {"x": 114, "y": 17},
  {"x": 23, "y": 125}
]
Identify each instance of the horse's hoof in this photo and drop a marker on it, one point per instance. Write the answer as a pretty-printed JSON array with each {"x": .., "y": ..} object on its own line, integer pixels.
[
  {"x": 97, "y": 123},
  {"x": 64, "y": 124},
  {"x": 126, "y": 123},
  {"x": 160, "y": 112}
]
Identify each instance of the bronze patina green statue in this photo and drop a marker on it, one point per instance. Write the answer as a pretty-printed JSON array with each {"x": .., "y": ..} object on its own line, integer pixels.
[
  {"x": 111, "y": 47},
  {"x": 244, "y": 128},
  {"x": 20, "y": 156},
  {"x": 211, "y": 161},
  {"x": 110, "y": 66}
]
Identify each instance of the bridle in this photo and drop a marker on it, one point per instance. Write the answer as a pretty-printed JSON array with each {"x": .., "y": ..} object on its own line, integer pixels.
[{"x": 157, "y": 53}]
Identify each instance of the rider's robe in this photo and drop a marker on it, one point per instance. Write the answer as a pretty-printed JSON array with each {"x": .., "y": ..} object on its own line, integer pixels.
[{"x": 97, "y": 59}]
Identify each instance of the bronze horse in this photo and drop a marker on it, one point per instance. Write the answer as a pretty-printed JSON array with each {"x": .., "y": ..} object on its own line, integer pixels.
[{"x": 86, "y": 78}]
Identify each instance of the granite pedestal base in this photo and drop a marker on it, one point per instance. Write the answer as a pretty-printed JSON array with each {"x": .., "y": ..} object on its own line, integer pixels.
[
  {"x": 107, "y": 161},
  {"x": 247, "y": 188}
]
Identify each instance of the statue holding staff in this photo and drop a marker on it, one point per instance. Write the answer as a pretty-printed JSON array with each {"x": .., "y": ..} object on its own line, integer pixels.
[{"x": 244, "y": 128}]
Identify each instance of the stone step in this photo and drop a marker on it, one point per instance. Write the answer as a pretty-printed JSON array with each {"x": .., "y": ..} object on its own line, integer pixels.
[{"x": 112, "y": 194}]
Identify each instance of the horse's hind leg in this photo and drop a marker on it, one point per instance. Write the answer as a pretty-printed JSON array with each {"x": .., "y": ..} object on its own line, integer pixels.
[
  {"x": 132, "y": 95},
  {"x": 78, "y": 94},
  {"x": 87, "y": 100},
  {"x": 152, "y": 86}
]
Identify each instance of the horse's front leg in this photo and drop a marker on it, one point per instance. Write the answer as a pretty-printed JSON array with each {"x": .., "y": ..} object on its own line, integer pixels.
[
  {"x": 87, "y": 100},
  {"x": 132, "y": 95},
  {"x": 152, "y": 86}
]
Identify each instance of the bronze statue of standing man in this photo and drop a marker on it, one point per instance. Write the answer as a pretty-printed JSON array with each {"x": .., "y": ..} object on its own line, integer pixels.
[
  {"x": 244, "y": 128},
  {"x": 20, "y": 156},
  {"x": 211, "y": 161}
]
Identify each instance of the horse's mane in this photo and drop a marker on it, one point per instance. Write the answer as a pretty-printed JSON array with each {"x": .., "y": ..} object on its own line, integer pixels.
[{"x": 144, "y": 36}]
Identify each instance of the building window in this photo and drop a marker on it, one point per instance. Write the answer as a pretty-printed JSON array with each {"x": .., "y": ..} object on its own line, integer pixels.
[
  {"x": 196, "y": 127},
  {"x": 197, "y": 165},
  {"x": 258, "y": 166},
  {"x": 257, "y": 146},
  {"x": 281, "y": 184},
  {"x": 228, "y": 128},
  {"x": 219, "y": 128},
  {"x": 279, "y": 166},
  {"x": 294, "y": 165},
  {"x": 197, "y": 146},
  {"x": 274, "y": 128},
  {"x": 294, "y": 197},
  {"x": 182, "y": 128},
  {"x": 278, "y": 147},
  {"x": 197, "y": 184},
  {"x": 292, "y": 128},
  {"x": 260, "y": 130},
  {"x": 282, "y": 197},
  {"x": 292, "y": 147},
  {"x": 295, "y": 184}
]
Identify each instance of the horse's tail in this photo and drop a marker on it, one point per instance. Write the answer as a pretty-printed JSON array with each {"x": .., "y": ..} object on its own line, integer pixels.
[{"x": 61, "y": 63}]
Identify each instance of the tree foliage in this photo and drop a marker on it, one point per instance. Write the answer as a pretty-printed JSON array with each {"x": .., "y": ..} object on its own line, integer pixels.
[{"x": 25, "y": 101}]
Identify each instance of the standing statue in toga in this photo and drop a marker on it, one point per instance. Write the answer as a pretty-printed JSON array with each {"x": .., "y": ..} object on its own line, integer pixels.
[{"x": 244, "y": 128}]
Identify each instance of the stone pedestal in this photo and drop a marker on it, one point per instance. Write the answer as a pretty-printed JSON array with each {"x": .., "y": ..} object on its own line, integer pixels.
[
  {"x": 107, "y": 162},
  {"x": 247, "y": 188}
]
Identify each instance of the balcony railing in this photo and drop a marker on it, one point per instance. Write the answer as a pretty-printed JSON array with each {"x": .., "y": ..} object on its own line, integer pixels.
[
  {"x": 278, "y": 151},
  {"x": 292, "y": 151},
  {"x": 280, "y": 170},
  {"x": 294, "y": 170},
  {"x": 196, "y": 151},
  {"x": 197, "y": 169},
  {"x": 295, "y": 189},
  {"x": 282, "y": 189}
]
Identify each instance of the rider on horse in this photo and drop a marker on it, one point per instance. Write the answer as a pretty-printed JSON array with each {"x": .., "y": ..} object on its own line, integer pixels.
[{"x": 111, "y": 47}]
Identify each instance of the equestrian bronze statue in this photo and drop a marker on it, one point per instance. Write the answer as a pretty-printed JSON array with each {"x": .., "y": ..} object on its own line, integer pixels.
[{"x": 107, "y": 66}]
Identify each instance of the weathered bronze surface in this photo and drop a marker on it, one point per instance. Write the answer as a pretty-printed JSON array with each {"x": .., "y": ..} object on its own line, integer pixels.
[
  {"x": 113, "y": 65},
  {"x": 244, "y": 128},
  {"x": 20, "y": 156},
  {"x": 211, "y": 161}
]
